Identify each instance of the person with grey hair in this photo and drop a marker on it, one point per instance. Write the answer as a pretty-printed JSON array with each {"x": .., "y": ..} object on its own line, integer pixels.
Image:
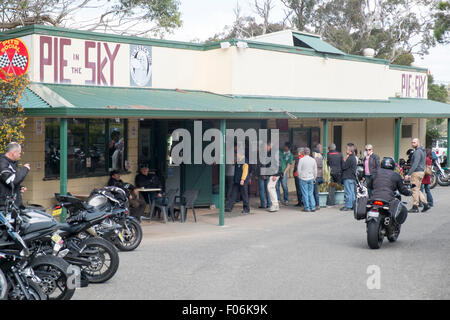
[
  {"x": 335, "y": 161},
  {"x": 307, "y": 172},
  {"x": 317, "y": 155},
  {"x": 9, "y": 173}
]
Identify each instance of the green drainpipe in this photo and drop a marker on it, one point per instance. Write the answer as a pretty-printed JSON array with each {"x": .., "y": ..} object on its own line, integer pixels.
[
  {"x": 223, "y": 126},
  {"x": 325, "y": 138},
  {"x": 63, "y": 163},
  {"x": 398, "y": 136}
]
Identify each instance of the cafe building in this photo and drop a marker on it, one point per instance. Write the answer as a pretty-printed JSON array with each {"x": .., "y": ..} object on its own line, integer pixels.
[{"x": 98, "y": 102}]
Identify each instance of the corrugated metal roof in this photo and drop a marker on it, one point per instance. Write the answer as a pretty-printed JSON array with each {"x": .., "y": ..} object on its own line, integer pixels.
[
  {"x": 140, "y": 102},
  {"x": 317, "y": 44},
  {"x": 31, "y": 100}
]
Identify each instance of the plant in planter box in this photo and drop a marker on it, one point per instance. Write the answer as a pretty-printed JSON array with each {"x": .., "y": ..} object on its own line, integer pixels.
[{"x": 323, "y": 188}]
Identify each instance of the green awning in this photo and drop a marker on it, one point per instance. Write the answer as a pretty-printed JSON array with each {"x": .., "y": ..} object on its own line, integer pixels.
[
  {"x": 317, "y": 44},
  {"x": 55, "y": 100}
]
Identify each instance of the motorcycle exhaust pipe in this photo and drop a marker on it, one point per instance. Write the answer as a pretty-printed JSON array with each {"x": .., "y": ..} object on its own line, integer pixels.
[{"x": 387, "y": 221}]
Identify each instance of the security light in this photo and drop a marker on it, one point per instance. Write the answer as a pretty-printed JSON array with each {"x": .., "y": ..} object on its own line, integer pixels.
[
  {"x": 242, "y": 45},
  {"x": 225, "y": 45}
]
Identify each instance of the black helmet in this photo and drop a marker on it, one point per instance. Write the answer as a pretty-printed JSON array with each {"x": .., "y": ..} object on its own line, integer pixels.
[
  {"x": 409, "y": 152},
  {"x": 388, "y": 163}
]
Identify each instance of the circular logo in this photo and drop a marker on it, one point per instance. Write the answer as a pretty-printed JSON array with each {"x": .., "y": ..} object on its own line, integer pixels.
[
  {"x": 14, "y": 58},
  {"x": 141, "y": 65}
]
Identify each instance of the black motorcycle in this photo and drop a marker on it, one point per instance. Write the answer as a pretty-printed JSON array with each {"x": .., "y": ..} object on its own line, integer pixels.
[
  {"x": 113, "y": 200},
  {"x": 30, "y": 227},
  {"x": 383, "y": 219},
  {"x": 97, "y": 258}
]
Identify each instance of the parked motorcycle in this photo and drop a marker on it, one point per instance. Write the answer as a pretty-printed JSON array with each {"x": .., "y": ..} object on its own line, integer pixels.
[
  {"x": 97, "y": 258},
  {"x": 27, "y": 229},
  {"x": 441, "y": 175},
  {"x": 114, "y": 201}
]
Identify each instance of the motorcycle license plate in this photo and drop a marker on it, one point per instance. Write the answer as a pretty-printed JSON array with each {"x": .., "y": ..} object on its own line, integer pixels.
[
  {"x": 374, "y": 214},
  {"x": 56, "y": 238},
  {"x": 56, "y": 212}
]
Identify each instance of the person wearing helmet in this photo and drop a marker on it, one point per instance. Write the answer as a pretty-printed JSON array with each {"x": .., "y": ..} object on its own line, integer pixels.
[{"x": 386, "y": 181}]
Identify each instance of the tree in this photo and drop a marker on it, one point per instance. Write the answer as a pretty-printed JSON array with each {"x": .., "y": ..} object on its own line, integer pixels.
[
  {"x": 436, "y": 93},
  {"x": 263, "y": 10},
  {"x": 126, "y": 17},
  {"x": 12, "y": 118},
  {"x": 246, "y": 26},
  {"x": 391, "y": 27},
  {"x": 442, "y": 23},
  {"x": 300, "y": 13}
]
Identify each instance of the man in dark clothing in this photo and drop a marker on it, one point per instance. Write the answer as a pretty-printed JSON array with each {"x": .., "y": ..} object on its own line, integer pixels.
[
  {"x": 145, "y": 179},
  {"x": 9, "y": 173},
  {"x": 416, "y": 173},
  {"x": 240, "y": 186},
  {"x": 386, "y": 181},
  {"x": 263, "y": 180},
  {"x": 335, "y": 161},
  {"x": 349, "y": 177},
  {"x": 137, "y": 206}
]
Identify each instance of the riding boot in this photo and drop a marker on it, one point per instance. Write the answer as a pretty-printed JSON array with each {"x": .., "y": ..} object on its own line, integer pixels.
[{"x": 414, "y": 209}]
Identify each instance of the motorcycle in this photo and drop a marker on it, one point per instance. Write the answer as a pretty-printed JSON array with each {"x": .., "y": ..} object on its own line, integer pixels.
[
  {"x": 114, "y": 201},
  {"x": 383, "y": 219},
  {"x": 441, "y": 175},
  {"x": 97, "y": 258},
  {"x": 31, "y": 227}
]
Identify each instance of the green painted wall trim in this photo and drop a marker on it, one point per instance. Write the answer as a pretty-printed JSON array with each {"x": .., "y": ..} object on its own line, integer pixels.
[
  {"x": 407, "y": 68},
  {"x": 89, "y": 35}
]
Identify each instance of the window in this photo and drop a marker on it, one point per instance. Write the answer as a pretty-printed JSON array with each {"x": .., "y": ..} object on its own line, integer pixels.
[
  {"x": 407, "y": 131},
  {"x": 94, "y": 146}
]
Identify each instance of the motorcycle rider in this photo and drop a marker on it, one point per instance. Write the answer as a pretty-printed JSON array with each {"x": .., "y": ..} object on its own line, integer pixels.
[
  {"x": 9, "y": 173},
  {"x": 386, "y": 181}
]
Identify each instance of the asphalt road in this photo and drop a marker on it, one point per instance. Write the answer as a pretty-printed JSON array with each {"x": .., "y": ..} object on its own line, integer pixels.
[{"x": 285, "y": 255}]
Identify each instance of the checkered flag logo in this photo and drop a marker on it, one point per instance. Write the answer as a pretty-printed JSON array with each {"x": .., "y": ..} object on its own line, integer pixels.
[
  {"x": 19, "y": 61},
  {"x": 4, "y": 61}
]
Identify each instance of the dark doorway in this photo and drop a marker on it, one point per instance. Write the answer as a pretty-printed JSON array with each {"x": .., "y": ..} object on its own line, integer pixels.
[{"x": 337, "y": 137}]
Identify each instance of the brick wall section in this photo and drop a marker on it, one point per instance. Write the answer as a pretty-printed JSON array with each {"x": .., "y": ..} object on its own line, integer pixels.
[{"x": 41, "y": 191}]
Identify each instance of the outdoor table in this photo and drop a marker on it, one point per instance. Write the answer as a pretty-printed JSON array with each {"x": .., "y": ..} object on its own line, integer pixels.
[{"x": 148, "y": 197}]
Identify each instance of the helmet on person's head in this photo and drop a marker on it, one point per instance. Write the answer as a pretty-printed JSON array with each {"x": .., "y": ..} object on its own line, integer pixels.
[{"x": 388, "y": 163}]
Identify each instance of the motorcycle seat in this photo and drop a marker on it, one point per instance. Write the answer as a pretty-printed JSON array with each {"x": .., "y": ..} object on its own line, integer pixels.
[{"x": 66, "y": 227}]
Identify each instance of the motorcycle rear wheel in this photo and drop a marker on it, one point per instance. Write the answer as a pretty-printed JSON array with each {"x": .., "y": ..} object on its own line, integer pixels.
[
  {"x": 394, "y": 236},
  {"x": 53, "y": 273},
  {"x": 132, "y": 234},
  {"x": 374, "y": 236},
  {"x": 442, "y": 180},
  {"x": 99, "y": 260}
]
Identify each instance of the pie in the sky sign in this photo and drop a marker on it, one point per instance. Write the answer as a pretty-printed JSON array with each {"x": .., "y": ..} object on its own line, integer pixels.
[{"x": 14, "y": 58}]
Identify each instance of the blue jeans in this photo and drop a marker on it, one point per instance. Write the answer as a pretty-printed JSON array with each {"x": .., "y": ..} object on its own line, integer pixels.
[
  {"x": 307, "y": 187},
  {"x": 263, "y": 193},
  {"x": 349, "y": 191},
  {"x": 298, "y": 190},
  {"x": 428, "y": 192},
  {"x": 283, "y": 182},
  {"x": 319, "y": 181}
]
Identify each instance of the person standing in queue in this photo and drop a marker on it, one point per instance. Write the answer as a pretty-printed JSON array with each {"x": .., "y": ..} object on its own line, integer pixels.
[
  {"x": 349, "y": 177},
  {"x": 263, "y": 180},
  {"x": 307, "y": 171},
  {"x": 286, "y": 160},
  {"x": 425, "y": 187},
  {"x": 300, "y": 154},
  {"x": 241, "y": 182},
  {"x": 319, "y": 180},
  {"x": 335, "y": 161},
  {"x": 415, "y": 174},
  {"x": 10, "y": 173},
  {"x": 371, "y": 164}
]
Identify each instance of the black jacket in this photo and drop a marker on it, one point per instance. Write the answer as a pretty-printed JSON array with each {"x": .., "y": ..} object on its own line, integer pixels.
[
  {"x": 148, "y": 181},
  {"x": 8, "y": 170},
  {"x": 384, "y": 183},
  {"x": 374, "y": 164},
  {"x": 349, "y": 168},
  {"x": 335, "y": 161}
]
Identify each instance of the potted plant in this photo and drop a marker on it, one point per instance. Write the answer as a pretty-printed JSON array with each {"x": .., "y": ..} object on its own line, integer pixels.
[
  {"x": 323, "y": 188},
  {"x": 339, "y": 194}
]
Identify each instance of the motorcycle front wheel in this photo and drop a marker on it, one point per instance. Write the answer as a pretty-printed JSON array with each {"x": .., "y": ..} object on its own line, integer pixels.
[
  {"x": 443, "y": 180},
  {"x": 433, "y": 180},
  {"x": 53, "y": 272},
  {"x": 132, "y": 236},
  {"x": 33, "y": 289},
  {"x": 103, "y": 257},
  {"x": 374, "y": 235}
]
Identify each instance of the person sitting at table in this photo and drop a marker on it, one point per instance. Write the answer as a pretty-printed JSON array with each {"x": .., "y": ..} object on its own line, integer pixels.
[
  {"x": 145, "y": 179},
  {"x": 137, "y": 206}
]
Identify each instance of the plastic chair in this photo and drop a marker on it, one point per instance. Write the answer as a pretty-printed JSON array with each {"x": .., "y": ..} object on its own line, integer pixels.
[
  {"x": 165, "y": 208},
  {"x": 185, "y": 202}
]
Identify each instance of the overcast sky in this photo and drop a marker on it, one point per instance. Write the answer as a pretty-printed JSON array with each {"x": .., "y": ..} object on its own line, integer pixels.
[{"x": 204, "y": 18}]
